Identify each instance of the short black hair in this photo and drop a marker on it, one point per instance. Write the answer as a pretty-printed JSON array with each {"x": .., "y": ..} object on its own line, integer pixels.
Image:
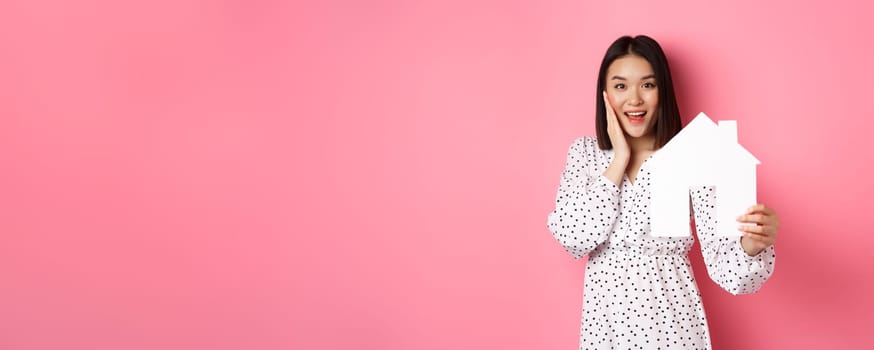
[{"x": 668, "y": 123}]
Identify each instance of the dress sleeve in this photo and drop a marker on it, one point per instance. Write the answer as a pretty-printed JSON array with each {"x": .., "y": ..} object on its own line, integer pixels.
[
  {"x": 727, "y": 263},
  {"x": 586, "y": 206}
]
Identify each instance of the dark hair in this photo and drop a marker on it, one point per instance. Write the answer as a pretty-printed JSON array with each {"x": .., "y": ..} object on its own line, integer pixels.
[{"x": 668, "y": 121}]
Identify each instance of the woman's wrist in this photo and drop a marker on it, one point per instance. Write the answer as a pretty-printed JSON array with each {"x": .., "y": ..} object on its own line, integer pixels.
[
  {"x": 616, "y": 170},
  {"x": 749, "y": 247}
]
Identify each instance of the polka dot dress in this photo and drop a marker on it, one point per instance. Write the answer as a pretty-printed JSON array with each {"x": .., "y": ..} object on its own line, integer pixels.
[{"x": 640, "y": 292}]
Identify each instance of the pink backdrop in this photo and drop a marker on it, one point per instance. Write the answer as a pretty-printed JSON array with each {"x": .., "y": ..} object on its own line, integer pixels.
[{"x": 377, "y": 174}]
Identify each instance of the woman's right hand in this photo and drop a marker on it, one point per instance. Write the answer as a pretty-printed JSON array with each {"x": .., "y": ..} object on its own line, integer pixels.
[{"x": 614, "y": 129}]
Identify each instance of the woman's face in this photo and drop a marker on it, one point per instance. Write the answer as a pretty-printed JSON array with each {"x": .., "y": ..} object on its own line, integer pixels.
[{"x": 633, "y": 93}]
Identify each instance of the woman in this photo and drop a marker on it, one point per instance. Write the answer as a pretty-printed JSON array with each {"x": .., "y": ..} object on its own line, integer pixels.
[{"x": 639, "y": 289}]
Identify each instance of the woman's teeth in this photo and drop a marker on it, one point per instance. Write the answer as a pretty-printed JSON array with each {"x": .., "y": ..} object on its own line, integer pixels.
[{"x": 636, "y": 117}]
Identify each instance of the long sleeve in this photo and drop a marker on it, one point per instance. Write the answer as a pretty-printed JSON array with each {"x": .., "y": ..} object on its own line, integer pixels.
[
  {"x": 586, "y": 206},
  {"x": 727, "y": 263}
]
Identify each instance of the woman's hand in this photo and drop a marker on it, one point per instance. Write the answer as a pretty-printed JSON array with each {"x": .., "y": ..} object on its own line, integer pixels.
[
  {"x": 614, "y": 129},
  {"x": 621, "y": 152},
  {"x": 763, "y": 234}
]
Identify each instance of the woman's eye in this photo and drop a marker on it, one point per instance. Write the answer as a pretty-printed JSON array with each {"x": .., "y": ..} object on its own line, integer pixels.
[
  {"x": 620, "y": 86},
  {"x": 648, "y": 85}
]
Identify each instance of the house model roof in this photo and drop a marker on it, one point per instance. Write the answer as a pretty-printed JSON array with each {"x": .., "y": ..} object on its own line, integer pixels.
[{"x": 703, "y": 135}]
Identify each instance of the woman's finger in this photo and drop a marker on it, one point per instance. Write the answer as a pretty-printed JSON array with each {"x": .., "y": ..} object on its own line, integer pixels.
[
  {"x": 761, "y": 209},
  {"x": 753, "y": 209},
  {"x": 752, "y": 218},
  {"x": 757, "y": 230},
  {"x": 611, "y": 115}
]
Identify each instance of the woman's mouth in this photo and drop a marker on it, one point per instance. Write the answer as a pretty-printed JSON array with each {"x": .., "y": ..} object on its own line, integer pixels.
[{"x": 636, "y": 117}]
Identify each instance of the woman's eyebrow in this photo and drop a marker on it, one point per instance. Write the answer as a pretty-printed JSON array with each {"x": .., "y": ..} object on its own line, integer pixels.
[{"x": 648, "y": 76}]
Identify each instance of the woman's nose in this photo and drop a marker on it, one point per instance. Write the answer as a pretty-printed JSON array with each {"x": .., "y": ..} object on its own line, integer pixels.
[{"x": 635, "y": 99}]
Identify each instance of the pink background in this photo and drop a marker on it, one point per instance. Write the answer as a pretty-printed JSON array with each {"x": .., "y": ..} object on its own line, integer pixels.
[{"x": 377, "y": 174}]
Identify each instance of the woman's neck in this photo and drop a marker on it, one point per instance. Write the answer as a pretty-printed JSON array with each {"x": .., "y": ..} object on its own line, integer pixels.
[{"x": 645, "y": 144}]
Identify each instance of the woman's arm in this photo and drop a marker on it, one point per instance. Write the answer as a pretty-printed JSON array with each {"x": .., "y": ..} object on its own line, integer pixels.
[
  {"x": 727, "y": 260},
  {"x": 586, "y": 207}
]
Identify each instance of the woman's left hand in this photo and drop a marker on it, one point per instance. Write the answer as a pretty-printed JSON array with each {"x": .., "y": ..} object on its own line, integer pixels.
[{"x": 763, "y": 234}]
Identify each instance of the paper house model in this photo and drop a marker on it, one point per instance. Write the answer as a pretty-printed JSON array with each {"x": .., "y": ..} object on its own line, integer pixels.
[{"x": 702, "y": 154}]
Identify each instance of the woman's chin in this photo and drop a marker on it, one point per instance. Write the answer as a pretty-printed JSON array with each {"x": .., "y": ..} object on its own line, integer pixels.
[{"x": 637, "y": 134}]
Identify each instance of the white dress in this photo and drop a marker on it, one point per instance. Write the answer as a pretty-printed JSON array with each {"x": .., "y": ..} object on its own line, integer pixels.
[{"x": 639, "y": 290}]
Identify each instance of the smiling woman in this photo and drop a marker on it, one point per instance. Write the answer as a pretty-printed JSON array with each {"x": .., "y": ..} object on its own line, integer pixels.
[
  {"x": 639, "y": 289},
  {"x": 632, "y": 90}
]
